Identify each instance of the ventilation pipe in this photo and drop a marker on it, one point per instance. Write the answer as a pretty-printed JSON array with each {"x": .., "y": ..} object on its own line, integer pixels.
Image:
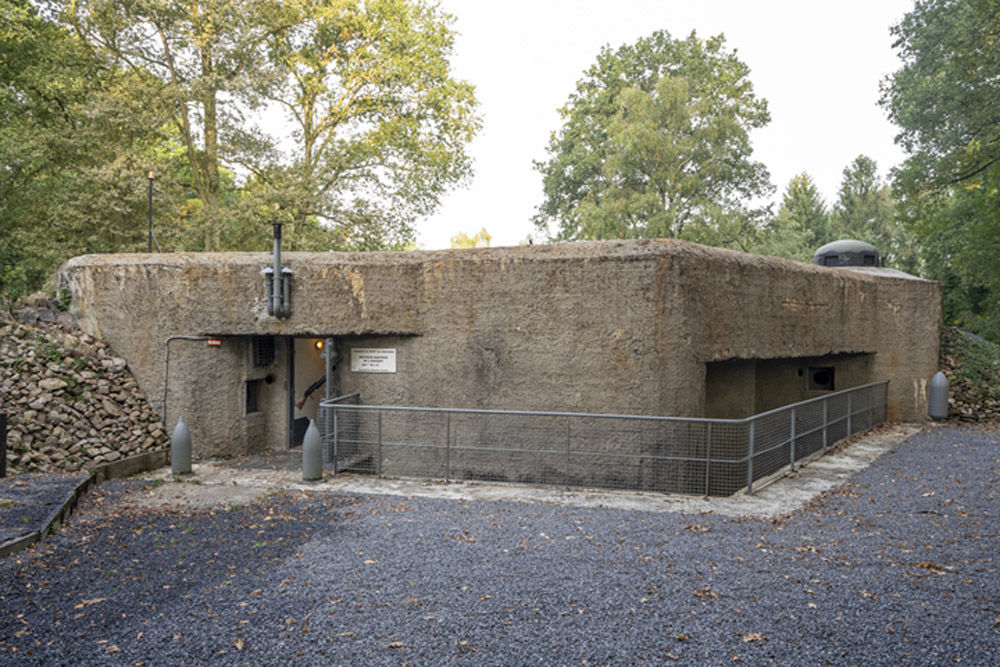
[{"x": 277, "y": 281}]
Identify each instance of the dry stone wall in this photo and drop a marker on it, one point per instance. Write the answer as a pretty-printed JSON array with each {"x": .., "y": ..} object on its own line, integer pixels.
[
  {"x": 71, "y": 403},
  {"x": 972, "y": 366}
]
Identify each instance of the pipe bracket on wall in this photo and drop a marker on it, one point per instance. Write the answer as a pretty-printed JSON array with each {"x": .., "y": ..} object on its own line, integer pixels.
[{"x": 277, "y": 282}]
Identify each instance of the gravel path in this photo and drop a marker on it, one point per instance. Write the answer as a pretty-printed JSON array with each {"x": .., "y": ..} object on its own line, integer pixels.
[
  {"x": 896, "y": 567},
  {"x": 27, "y": 501}
]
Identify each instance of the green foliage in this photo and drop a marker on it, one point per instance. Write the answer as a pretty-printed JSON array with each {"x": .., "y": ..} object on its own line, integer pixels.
[
  {"x": 480, "y": 239},
  {"x": 47, "y": 351},
  {"x": 63, "y": 298},
  {"x": 97, "y": 94},
  {"x": 76, "y": 143},
  {"x": 381, "y": 124},
  {"x": 801, "y": 226},
  {"x": 865, "y": 211},
  {"x": 947, "y": 104},
  {"x": 13, "y": 288},
  {"x": 655, "y": 142}
]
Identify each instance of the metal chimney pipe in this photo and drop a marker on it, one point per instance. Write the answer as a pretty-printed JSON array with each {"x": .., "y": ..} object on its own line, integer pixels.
[{"x": 276, "y": 277}]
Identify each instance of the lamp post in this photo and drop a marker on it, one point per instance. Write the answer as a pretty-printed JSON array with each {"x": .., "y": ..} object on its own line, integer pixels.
[{"x": 150, "y": 212}]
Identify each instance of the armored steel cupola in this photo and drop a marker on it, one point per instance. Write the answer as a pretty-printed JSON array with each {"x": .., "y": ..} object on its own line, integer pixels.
[
  {"x": 277, "y": 281},
  {"x": 847, "y": 252}
]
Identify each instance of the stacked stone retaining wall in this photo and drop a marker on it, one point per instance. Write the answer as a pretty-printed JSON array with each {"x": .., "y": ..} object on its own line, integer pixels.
[{"x": 71, "y": 403}]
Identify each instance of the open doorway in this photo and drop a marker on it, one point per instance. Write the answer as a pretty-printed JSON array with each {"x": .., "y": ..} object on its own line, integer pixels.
[{"x": 308, "y": 383}]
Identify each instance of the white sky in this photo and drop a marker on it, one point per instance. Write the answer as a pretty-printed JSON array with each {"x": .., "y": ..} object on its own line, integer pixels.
[{"x": 818, "y": 64}]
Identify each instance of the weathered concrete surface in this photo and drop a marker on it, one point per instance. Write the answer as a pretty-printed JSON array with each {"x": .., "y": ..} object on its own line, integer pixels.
[{"x": 611, "y": 327}]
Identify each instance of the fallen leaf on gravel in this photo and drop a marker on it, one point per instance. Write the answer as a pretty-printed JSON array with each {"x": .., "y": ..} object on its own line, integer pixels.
[
  {"x": 706, "y": 593},
  {"x": 238, "y": 643},
  {"x": 113, "y": 649},
  {"x": 85, "y": 603},
  {"x": 754, "y": 637},
  {"x": 369, "y": 562},
  {"x": 868, "y": 594},
  {"x": 934, "y": 567},
  {"x": 395, "y": 645},
  {"x": 346, "y": 634},
  {"x": 698, "y": 528}
]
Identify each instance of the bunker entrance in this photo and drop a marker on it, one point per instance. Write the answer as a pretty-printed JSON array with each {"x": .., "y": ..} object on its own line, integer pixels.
[
  {"x": 738, "y": 388},
  {"x": 307, "y": 381}
]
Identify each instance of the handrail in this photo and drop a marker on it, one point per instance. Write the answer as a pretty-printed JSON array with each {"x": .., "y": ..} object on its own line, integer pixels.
[{"x": 592, "y": 415}]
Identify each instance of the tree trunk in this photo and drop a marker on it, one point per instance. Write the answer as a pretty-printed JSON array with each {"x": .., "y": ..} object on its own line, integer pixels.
[{"x": 211, "y": 162}]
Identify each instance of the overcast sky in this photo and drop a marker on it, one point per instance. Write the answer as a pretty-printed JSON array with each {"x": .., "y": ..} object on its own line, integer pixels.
[{"x": 818, "y": 64}]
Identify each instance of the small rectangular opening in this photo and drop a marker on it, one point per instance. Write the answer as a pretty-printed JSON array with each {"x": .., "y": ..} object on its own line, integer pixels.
[
  {"x": 821, "y": 378},
  {"x": 252, "y": 391}
]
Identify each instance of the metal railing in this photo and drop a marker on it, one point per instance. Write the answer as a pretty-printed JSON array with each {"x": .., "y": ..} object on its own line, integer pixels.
[{"x": 708, "y": 457}]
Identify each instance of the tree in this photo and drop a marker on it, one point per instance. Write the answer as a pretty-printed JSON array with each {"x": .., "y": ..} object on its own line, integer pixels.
[
  {"x": 77, "y": 138},
  {"x": 481, "y": 239},
  {"x": 945, "y": 100},
  {"x": 802, "y": 224},
  {"x": 865, "y": 211},
  {"x": 655, "y": 142},
  {"x": 381, "y": 124},
  {"x": 205, "y": 54}
]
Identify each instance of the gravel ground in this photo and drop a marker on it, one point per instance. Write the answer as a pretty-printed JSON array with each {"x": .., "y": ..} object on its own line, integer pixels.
[
  {"x": 31, "y": 500},
  {"x": 896, "y": 567}
]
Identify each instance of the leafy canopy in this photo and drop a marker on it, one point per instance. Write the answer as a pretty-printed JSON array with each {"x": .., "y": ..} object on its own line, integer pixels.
[
  {"x": 655, "y": 142},
  {"x": 801, "y": 226},
  {"x": 946, "y": 101}
]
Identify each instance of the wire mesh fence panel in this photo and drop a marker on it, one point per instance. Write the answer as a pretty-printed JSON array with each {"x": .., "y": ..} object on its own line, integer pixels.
[
  {"x": 727, "y": 450},
  {"x": 808, "y": 430},
  {"x": 861, "y": 410},
  {"x": 669, "y": 455},
  {"x": 505, "y": 447},
  {"x": 772, "y": 443},
  {"x": 836, "y": 428},
  {"x": 413, "y": 443}
]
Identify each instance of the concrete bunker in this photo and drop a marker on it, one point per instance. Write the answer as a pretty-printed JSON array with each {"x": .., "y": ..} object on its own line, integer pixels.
[{"x": 647, "y": 328}]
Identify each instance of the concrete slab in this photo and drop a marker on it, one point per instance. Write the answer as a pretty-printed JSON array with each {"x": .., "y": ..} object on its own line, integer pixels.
[{"x": 224, "y": 483}]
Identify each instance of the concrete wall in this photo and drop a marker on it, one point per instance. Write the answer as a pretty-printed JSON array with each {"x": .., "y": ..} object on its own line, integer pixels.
[{"x": 613, "y": 327}]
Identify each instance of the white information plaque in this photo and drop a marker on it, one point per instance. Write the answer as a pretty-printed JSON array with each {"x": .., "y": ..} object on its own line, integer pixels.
[{"x": 373, "y": 360}]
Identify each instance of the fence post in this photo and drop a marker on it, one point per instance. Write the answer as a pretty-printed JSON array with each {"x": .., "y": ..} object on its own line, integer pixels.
[
  {"x": 708, "y": 457},
  {"x": 791, "y": 446},
  {"x": 336, "y": 435},
  {"x": 750, "y": 444},
  {"x": 568, "y": 440},
  {"x": 447, "y": 449},
  {"x": 379, "y": 444}
]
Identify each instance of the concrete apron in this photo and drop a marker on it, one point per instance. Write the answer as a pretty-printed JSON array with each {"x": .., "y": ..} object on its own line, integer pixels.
[{"x": 226, "y": 483}]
